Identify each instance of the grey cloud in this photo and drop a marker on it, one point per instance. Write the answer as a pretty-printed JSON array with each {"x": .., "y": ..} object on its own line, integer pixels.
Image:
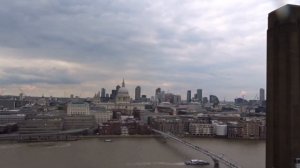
[
  {"x": 91, "y": 32},
  {"x": 135, "y": 39},
  {"x": 21, "y": 76},
  {"x": 76, "y": 33}
]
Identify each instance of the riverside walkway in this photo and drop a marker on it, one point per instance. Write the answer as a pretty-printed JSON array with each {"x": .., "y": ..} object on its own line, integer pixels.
[{"x": 44, "y": 136}]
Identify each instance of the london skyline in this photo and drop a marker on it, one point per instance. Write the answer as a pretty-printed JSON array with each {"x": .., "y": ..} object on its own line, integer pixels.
[{"x": 78, "y": 47}]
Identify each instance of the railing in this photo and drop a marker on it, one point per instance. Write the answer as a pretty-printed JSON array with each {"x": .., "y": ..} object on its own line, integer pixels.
[{"x": 216, "y": 158}]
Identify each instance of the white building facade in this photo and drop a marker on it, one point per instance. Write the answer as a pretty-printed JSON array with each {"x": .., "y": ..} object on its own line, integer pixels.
[
  {"x": 201, "y": 129},
  {"x": 78, "y": 108},
  {"x": 102, "y": 117}
]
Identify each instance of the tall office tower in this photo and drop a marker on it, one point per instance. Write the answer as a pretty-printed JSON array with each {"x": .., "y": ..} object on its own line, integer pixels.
[
  {"x": 138, "y": 93},
  {"x": 158, "y": 96},
  {"x": 261, "y": 94},
  {"x": 176, "y": 99},
  {"x": 103, "y": 92},
  {"x": 162, "y": 96},
  {"x": 283, "y": 88},
  {"x": 157, "y": 91},
  {"x": 117, "y": 88},
  {"x": 214, "y": 100},
  {"x": 189, "y": 96},
  {"x": 204, "y": 100},
  {"x": 199, "y": 95},
  {"x": 113, "y": 94}
]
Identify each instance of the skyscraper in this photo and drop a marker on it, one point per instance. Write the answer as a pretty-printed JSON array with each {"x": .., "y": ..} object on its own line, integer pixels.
[
  {"x": 138, "y": 93},
  {"x": 103, "y": 93},
  {"x": 189, "y": 96},
  {"x": 113, "y": 94},
  {"x": 283, "y": 88},
  {"x": 157, "y": 91},
  {"x": 117, "y": 88},
  {"x": 213, "y": 100},
  {"x": 261, "y": 94},
  {"x": 158, "y": 96},
  {"x": 199, "y": 95},
  {"x": 204, "y": 100},
  {"x": 176, "y": 99}
]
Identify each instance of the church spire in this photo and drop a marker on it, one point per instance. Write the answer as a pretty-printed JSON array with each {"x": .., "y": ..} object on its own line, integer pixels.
[{"x": 123, "y": 83}]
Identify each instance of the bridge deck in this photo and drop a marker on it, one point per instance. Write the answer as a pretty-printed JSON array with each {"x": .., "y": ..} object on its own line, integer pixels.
[{"x": 212, "y": 155}]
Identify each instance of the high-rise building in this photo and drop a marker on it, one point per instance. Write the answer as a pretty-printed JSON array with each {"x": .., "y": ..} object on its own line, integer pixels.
[
  {"x": 157, "y": 91},
  {"x": 137, "y": 93},
  {"x": 158, "y": 95},
  {"x": 213, "y": 100},
  {"x": 261, "y": 94},
  {"x": 103, "y": 93},
  {"x": 117, "y": 88},
  {"x": 162, "y": 96},
  {"x": 169, "y": 97},
  {"x": 189, "y": 96},
  {"x": 199, "y": 95},
  {"x": 113, "y": 94},
  {"x": 176, "y": 99},
  {"x": 283, "y": 88},
  {"x": 204, "y": 100}
]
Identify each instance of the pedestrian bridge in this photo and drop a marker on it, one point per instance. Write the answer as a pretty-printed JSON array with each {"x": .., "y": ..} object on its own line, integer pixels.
[{"x": 216, "y": 158}]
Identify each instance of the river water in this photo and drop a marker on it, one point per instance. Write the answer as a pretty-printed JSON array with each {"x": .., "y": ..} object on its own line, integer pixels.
[{"x": 127, "y": 153}]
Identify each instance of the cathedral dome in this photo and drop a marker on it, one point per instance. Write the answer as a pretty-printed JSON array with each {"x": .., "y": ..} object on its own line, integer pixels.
[
  {"x": 123, "y": 94},
  {"x": 123, "y": 90}
]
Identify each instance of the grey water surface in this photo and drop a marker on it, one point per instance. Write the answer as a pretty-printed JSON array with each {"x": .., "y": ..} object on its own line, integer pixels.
[{"x": 127, "y": 153}]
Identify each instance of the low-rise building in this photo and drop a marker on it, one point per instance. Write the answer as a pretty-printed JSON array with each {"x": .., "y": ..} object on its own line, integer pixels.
[
  {"x": 79, "y": 121},
  {"x": 220, "y": 129},
  {"x": 262, "y": 131},
  {"x": 112, "y": 127},
  {"x": 78, "y": 108},
  {"x": 8, "y": 128},
  {"x": 12, "y": 118},
  {"x": 102, "y": 117},
  {"x": 40, "y": 126},
  {"x": 201, "y": 129},
  {"x": 170, "y": 124},
  {"x": 251, "y": 129},
  {"x": 234, "y": 130},
  {"x": 124, "y": 131}
]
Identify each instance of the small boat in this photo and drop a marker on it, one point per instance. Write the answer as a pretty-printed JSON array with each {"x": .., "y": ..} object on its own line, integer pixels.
[
  {"x": 107, "y": 140},
  {"x": 196, "y": 162}
]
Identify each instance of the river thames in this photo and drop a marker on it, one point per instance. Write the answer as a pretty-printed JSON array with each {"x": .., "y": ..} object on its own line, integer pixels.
[{"x": 127, "y": 152}]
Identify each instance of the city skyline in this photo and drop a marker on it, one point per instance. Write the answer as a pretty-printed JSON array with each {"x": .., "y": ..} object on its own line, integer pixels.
[{"x": 58, "y": 48}]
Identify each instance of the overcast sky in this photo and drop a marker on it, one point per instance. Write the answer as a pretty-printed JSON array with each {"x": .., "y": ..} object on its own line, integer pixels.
[{"x": 60, "y": 47}]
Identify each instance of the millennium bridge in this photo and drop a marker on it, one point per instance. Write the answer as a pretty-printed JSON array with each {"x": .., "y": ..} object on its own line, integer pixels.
[{"x": 216, "y": 158}]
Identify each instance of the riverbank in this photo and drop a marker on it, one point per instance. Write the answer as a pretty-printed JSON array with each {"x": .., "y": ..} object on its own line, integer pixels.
[
  {"x": 117, "y": 136},
  {"x": 38, "y": 138}
]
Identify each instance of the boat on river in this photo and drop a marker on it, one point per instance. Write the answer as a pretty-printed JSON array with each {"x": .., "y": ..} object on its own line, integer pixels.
[
  {"x": 196, "y": 162},
  {"x": 107, "y": 140}
]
